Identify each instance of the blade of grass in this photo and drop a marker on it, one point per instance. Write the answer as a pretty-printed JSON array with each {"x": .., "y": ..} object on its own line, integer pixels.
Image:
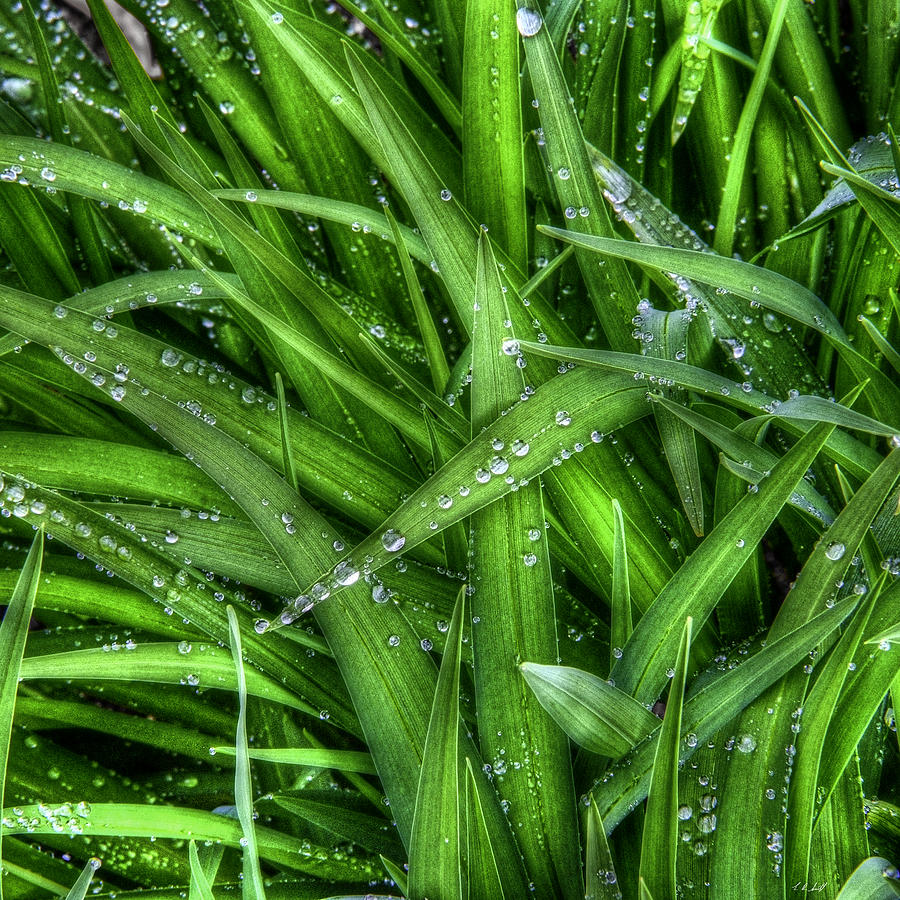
[
  {"x": 621, "y": 624},
  {"x": 438, "y": 837},
  {"x": 252, "y": 885},
  {"x": 697, "y": 585},
  {"x": 200, "y": 886},
  {"x": 510, "y": 559},
  {"x": 596, "y": 715},
  {"x": 713, "y": 706},
  {"x": 660, "y": 839},
  {"x": 493, "y": 162},
  {"x": 79, "y": 890},
  {"x": 601, "y": 882},
  {"x": 728, "y": 210},
  {"x": 13, "y": 634}
]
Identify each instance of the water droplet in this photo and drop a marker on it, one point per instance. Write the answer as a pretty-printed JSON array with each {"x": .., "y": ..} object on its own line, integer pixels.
[
  {"x": 499, "y": 465},
  {"x": 345, "y": 573},
  {"x": 394, "y": 640},
  {"x": 170, "y": 357},
  {"x": 563, "y": 418},
  {"x": 277, "y": 18},
  {"x": 261, "y": 625},
  {"x": 835, "y": 550},
  {"x": 530, "y": 559},
  {"x": 392, "y": 540},
  {"x": 446, "y": 195},
  {"x": 528, "y": 21}
]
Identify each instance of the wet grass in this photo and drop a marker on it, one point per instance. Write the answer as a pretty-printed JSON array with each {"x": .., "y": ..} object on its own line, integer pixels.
[{"x": 451, "y": 450}]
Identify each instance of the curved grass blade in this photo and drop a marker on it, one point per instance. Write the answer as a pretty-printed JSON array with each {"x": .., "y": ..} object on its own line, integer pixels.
[
  {"x": 740, "y": 148},
  {"x": 660, "y": 839},
  {"x": 713, "y": 706},
  {"x": 434, "y": 351},
  {"x": 354, "y": 216},
  {"x": 252, "y": 885},
  {"x": 79, "y": 890},
  {"x": 819, "y": 709},
  {"x": 763, "y": 286},
  {"x": 597, "y": 716},
  {"x": 200, "y": 886},
  {"x": 697, "y": 585},
  {"x": 118, "y": 820},
  {"x": 610, "y": 287},
  {"x": 160, "y": 663},
  {"x": 84, "y": 174},
  {"x": 341, "y": 760},
  {"x": 600, "y": 880},
  {"x": 621, "y": 624},
  {"x": 438, "y": 837},
  {"x": 670, "y": 339},
  {"x": 874, "y": 878},
  {"x": 289, "y": 468},
  {"x": 13, "y": 634},
  {"x": 699, "y": 21},
  {"x": 509, "y": 560}
]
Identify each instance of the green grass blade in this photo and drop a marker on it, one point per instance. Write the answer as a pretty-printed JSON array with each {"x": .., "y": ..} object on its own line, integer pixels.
[
  {"x": 714, "y": 705},
  {"x": 342, "y": 760},
  {"x": 762, "y": 286},
  {"x": 660, "y": 839},
  {"x": 434, "y": 351},
  {"x": 670, "y": 338},
  {"x": 596, "y": 715},
  {"x": 437, "y": 839},
  {"x": 252, "y": 886},
  {"x": 699, "y": 583},
  {"x": 621, "y": 624},
  {"x": 13, "y": 634},
  {"x": 600, "y": 880},
  {"x": 161, "y": 663},
  {"x": 510, "y": 559},
  {"x": 182, "y": 823},
  {"x": 493, "y": 163},
  {"x": 611, "y": 289},
  {"x": 728, "y": 211},
  {"x": 819, "y": 708},
  {"x": 873, "y": 879},
  {"x": 200, "y": 886},
  {"x": 79, "y": 890},
  {"x": 289, "y": 468}
]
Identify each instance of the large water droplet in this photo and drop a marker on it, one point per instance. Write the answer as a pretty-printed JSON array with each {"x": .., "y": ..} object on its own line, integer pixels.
[
  {"x": 528, "y": 21},
  {"x": 835, "y": 550},
  {"x": 392, "y": 540}
]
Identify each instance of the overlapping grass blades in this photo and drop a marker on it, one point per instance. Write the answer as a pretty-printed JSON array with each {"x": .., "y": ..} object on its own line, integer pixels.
[{"x": 394, "y": 349}]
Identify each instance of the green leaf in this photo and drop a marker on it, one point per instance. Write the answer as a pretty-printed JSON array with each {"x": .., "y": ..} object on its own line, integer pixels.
[
  {"x": 597, "y": 716},
  {"x": 13, "y": 634},
  {"x": 253, "y": 888},
  {"x": 600, "y": 880},
  {"x": 715, "y": 704},
  {"x": 79, "y": 890},
  {"x": 660, "y": 839},
  {"x": 493, "y": 162},
  {"x": 873, "y": 879},
  {"x": 437, "y": 838},
  {"x": 510, "y": 559},
  {"x": 621, "y": 624},
  {"x": 200, "y": 886},
  {"x": 697, "y": 585},
  {"x": 342, "y": 760}
]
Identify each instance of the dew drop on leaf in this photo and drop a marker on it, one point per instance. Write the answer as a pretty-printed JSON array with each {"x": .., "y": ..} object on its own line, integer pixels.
[{"x": 528, "y": 21}]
